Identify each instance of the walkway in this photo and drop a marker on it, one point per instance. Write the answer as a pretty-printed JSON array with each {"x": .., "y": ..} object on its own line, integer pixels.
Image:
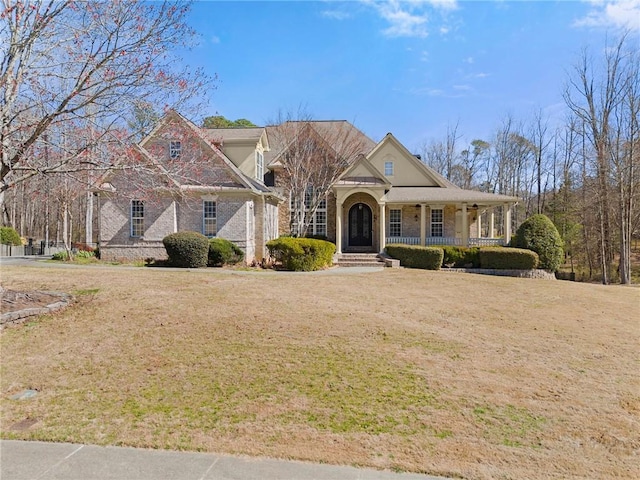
[{"x": 67, "y": 461}]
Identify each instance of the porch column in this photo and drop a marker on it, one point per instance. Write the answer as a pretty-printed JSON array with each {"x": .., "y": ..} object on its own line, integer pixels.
[
  {"x": 492, "y": 226},
  {"x": 423, "y": 224},
  {"x": 506, "y": 218},
  {"x": 478, "y": 223},
  {"x": 383, "y": 227},
  {"x": 339, "y": 226},
  {"x": 465, "y": 226}
]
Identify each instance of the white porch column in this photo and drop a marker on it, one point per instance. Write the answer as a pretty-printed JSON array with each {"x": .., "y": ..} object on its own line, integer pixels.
[
  {"x": 478, "y": 223},
  {"x": 492, "y": 226},
  {"x": 383, "y": 227},
  {"x": 338, "y": 226},
  {"x": 423, "y": 224},
  {"x": 506, "y": 218},
  {"x": 465, "y": 226}
]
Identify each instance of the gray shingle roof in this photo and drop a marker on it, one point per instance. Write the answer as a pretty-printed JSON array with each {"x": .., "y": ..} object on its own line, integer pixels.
[{"x": 230, "y": 134}]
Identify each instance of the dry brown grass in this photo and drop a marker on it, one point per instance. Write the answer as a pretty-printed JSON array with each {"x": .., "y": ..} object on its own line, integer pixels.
[{"x": 454, "y": 374}]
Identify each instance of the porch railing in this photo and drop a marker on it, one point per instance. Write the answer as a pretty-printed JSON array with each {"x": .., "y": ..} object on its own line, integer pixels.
[{"x": 473, "y": 242}]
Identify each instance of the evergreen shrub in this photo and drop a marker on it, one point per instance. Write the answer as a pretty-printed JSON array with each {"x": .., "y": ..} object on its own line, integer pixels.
[
  {"x": 302, "y": 254},
  {"x": 460, "y": 257},
  {"x": 413, "y": 256},
  {"x": 505, "y": 258},
  {"x": 9, "y": 236},
  {"x": 187, "y": 249},
  {"x": 224, "y": 252},
  {"x": 539, "y": 234}
]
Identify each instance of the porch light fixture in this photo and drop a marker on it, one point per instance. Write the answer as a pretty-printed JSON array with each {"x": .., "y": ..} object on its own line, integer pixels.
[{"x": 416, "y": 217}]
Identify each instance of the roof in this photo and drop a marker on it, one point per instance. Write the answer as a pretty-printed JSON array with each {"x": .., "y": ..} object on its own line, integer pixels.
[
  {"x": 327, "y": 129},
  {"x": 444, "y": 195},
  {"x": 232, "y": 134}
]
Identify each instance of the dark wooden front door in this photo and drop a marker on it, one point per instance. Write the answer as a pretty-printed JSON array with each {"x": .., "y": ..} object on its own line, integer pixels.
[{"x": 360, "y": 226}]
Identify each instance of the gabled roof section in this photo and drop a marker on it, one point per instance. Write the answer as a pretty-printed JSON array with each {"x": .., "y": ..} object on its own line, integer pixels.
[
  {"x": 362, "y": 172},
  {"x": 340, "y": 130},
  {"x": 236, "y": 135},
  {"x": 428, "y": 172},
  {"x": 235, "y": 172}
]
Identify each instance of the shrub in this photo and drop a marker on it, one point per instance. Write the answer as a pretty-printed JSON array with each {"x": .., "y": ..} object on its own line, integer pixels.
[
  {"x": 539, "y": 234},
  {"x": 84, "y": 254},
  {"x": 82, "y": 247},
  {"x": 9, "y": 236},
  {"x": 302, "y": 254},
  {"x": 224, "y": 252},
  {"x": 62, "y": 255},
  {"x": 461, "y": 256},
  {"x": 411, "y": 256},
  {"x": 187, "y": 249},
  {"x": 504, "y": 258}
]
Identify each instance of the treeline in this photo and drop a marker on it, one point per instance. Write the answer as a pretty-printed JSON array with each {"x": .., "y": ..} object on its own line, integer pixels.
[{"x": 584, "y": 175}]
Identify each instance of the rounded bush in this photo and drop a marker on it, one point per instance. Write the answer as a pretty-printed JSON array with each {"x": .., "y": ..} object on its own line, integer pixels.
[
  {"x": 9, "y": 236},
  {"x": 187, "y": 249},
  {"x": 539, "y": 234},
  {"x": 505, "y": 258},
  {"x": 302, "y": 254},
  {"x": 413, "y": 256},
  {"x": 224, "y": 252}
]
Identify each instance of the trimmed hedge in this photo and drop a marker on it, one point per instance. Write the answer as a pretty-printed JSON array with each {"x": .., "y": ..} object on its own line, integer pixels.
[
  {"x": 504, "y": 258},
  {"x": 539, "y": 234},
  {"x": 224, "y": 252},
  {"x": 412, "y": 256},
  {"x": 187, "y": 249},
  {"x": 460, "y": 257},
  {"x": 9, "y": 236},
  {"x": 302, "y": 254}
]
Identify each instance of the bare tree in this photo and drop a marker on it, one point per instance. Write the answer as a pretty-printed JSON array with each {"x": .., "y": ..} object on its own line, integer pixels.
[
  {"x": 442, "y": 155},
  {"x": 84, "y": 65},
  {"x": 311, "y": 156},
  {"x": 596, "y": 97}
]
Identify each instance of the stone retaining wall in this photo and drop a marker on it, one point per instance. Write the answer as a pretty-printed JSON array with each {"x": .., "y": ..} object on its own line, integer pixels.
[
  {"x": 19, "y": 316},
  {"x": 538, "y": 273}
]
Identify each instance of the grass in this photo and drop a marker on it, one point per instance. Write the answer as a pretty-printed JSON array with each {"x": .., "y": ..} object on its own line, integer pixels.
[{"x": 453, "y": 374}]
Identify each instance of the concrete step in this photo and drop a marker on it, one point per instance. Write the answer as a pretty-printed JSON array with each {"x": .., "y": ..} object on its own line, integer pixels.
[{"x": 360, "y": 260}]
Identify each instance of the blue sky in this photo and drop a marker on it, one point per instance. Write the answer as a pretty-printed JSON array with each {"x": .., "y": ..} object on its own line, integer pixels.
[{"x": 410, "y": 68}]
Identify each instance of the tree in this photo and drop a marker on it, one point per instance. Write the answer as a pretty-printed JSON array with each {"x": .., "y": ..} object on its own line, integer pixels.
[
  {"x": 68, "y": 66},
  {"x": 312, "y": 156},
  {"x": 604, "y": 98},
  {"x": 539, "y": 234},
  {"x": 218, "y": 121}
]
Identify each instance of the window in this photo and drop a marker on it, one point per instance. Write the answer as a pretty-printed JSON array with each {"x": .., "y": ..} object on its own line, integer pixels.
[
  {"x": 175, "y": 149},
  {"x": 395, "y": 223},
  {"x": 137, "y": 218},
  {"x": 317, "y": 224},
  {"x": 437, "y": 223},
  {"x": 209, "y": 219},
  {"x": 388, "y": 169},
  {"x": 259, "y": 166}
]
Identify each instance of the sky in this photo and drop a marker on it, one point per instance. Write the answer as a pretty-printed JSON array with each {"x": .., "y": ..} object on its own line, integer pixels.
[{"x": 412, "y": 68}]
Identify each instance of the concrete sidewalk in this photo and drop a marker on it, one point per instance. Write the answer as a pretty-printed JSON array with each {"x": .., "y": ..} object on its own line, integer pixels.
[{"x": 66, "y": 461}]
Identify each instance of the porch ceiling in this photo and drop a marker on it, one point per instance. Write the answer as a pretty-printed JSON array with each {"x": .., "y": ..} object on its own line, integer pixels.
[{"x": 444, "y": 195}]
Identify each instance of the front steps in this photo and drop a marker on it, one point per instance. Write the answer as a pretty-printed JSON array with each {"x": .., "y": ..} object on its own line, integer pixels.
[{"x": 359, "y": 260}]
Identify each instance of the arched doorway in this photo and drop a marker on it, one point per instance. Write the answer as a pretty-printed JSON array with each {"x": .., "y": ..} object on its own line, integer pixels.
[{"x": 360, "y": 226}]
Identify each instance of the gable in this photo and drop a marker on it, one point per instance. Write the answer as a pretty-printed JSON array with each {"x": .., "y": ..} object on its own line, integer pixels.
[
  {"x": 408, "y": 171},
  {"x": 362, "y": 172},
  {"x": 199, "y": 163}
]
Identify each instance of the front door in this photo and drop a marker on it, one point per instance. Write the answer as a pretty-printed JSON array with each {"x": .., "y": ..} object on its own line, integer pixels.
[{"x": 360, "y": 226}]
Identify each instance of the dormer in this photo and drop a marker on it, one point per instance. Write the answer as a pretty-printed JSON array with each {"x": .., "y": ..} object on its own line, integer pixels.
[{"x": 245, "y": 147}]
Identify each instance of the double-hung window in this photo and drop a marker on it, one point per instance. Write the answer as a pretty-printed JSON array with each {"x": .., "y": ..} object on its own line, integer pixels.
[
  {"x": 388, "y": 169},
  {"x": 209, "y": 218},
  {"x": 395, "y": 222},
  {"x": 175, "y": 149},
  {"x": 137, "y": 218},
  {"x": 437, "y": 222},
  {"x": 259, "y": 166},
  {"x": 317, "y": 223}
]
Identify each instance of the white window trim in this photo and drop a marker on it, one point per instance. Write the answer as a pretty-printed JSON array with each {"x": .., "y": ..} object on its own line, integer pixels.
[
  {"x": 432, "y": 223},
  {"x": 395, "y": 223},
  {"x": 205, "y": 218},
  {"x": 133, "y": 224},
  {"x": 175, "y": 148},
  {"x": 314, "y": 226},
  {"x": 259, "y": 165}
]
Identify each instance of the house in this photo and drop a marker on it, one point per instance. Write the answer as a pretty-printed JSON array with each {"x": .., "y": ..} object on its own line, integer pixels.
[{"x": 229, "y": 183}]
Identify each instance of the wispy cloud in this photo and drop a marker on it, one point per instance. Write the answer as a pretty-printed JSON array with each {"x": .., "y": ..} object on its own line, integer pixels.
[
  {"x": 612, "y": 13},
  {"x": 215, "y": 39},
  {"x": 410, "y": 18},
  {"x": 336, "y": 14}
]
